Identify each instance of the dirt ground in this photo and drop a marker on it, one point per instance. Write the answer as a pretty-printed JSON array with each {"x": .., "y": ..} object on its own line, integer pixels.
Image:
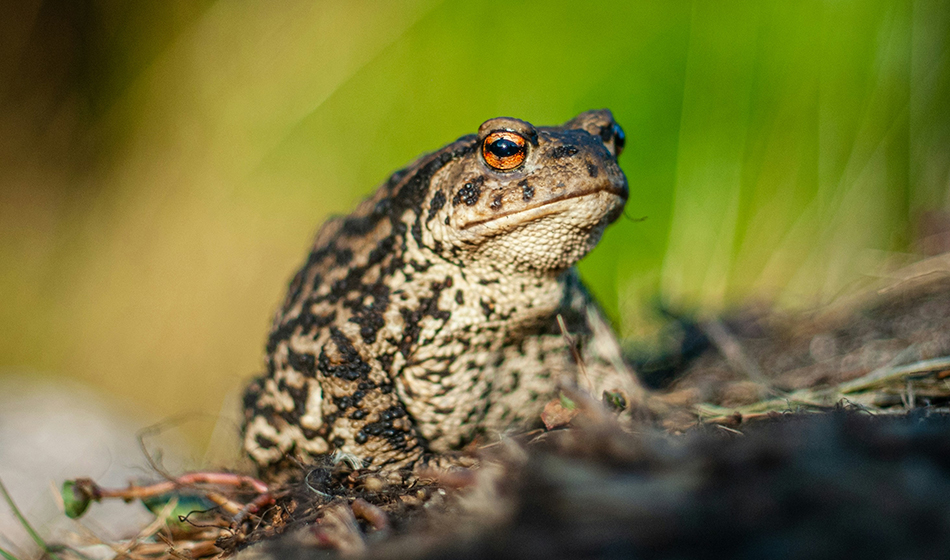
[{"x": 765, "y": 435}]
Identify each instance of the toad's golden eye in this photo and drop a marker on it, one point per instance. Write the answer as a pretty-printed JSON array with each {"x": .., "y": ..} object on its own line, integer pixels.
[{"x": 504, "y": 150}]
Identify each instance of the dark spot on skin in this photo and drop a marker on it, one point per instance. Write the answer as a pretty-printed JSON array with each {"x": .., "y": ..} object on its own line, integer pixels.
[
  {"x": 293, "y": 416},
  {"x": 344, "y": 256},
  {"x": 592, "y": 169},
  {"x": 428, "y": 306},
  {"x": 487, "y": 308},
  {"x": 267, "y": 412},
  {"x": 303, "y": 363},
  {"x": 412, "y": 194},
  {"x": 310, "y": 434},
  {"x": 395, "y": 178},
  {"x": 358, "y": 415},
  {"x": 296, "y": 286},
  {"x": 370, "y": 317},
  {"x": 438, "y": 201},
  {"x": 469, "y": 193},
  {"x": 446, "y": 220},
  {"x": 563, "y": 151},
  {"x": 358, "y": 226},
  {"x": 360, "y": 437},
  {"x": 263, "y": 442},
  {"x": 495, "y": 202},
  {"x": 527, "y": 191},
  {"x": 339, "y": 442},
  {"x": 374, "y": 428},
  {"x": 385, "y": 362},
  {"x": 417, "y": 232},
  {"x": 306, "y": 322},
  {"x": 395, "y": 412},
  {"x": 254, "y": 389},
  {"x": 436, "y": 376},
  {"x": 420, "y": 266},
  {"x": 351, "y": 367},
  {"x": 459, "y": 298}
]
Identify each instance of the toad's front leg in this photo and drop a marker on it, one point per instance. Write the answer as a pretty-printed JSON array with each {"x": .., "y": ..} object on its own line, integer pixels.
[{"x": 331, "y": 400}]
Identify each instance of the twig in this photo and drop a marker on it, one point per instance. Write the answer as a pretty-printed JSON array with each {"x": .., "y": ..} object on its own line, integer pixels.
[
  {"x": 151, "y": 529},
  {"x": 911, "y": 401},
  {"x": 730, "y": 430},
  {"x": 172, "y": 549},
  {"x": 252, "y": 508},
  {"x": 573, "y": 346},
  {"x": 85, "y": 490},
  {"x": 857, "y": 391},
  {"x": 97, "y": 492},
  {"x": 886, "y": 373}
]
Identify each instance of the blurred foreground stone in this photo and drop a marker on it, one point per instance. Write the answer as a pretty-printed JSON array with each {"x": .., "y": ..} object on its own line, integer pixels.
[{"x": 53, "y": 429}]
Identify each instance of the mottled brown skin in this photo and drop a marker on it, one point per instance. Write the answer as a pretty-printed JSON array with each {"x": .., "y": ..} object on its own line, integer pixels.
[{"x": 428, "y": 316}]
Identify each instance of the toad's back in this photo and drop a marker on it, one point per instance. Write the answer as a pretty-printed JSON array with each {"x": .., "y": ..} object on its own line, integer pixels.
[{"x": 428, "y": 316}]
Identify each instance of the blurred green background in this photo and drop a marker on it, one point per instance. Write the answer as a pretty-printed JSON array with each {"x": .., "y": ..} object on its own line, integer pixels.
[{"x": 164, "y": 165}]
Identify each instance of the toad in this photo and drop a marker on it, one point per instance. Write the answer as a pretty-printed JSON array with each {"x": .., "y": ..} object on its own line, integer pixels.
[{"x": 429, "y": 317}]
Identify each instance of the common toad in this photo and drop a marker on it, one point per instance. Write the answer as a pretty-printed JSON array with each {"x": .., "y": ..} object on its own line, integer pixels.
[{"x": 428, "y": 317}]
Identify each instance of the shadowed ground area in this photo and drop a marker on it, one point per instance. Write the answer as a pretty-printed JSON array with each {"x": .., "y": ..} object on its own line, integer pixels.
[{"x": 783, "y": 436}]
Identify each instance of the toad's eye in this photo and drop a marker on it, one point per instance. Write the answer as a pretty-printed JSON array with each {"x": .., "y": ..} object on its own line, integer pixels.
[
  {"x": 504, "y": 150},
  {"x": 620, "y": 139}
]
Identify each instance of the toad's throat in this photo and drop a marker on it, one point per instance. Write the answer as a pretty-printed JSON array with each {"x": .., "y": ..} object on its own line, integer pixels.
[{"x": 619, "y": 193}]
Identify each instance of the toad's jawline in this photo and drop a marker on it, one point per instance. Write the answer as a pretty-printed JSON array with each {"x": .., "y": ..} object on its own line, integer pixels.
[{"x": 615, "y": 192}]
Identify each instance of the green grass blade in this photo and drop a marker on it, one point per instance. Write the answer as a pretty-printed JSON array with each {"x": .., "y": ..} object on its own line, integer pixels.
[
  {"x": 7, "y": 556},
  {"x": 26, "y": 525}
]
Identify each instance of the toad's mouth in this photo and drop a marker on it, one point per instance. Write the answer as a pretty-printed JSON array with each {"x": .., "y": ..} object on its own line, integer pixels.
[{"x": 548, "y": 207}]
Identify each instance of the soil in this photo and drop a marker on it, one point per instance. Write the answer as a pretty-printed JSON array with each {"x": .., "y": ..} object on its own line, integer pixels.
[{"x": 767, "y": 435}]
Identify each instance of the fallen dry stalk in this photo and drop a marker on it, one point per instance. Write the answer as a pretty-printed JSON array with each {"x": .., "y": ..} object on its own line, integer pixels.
[
  {"x": 79, "y": 493},
  {"x": 877, "y": 391}
]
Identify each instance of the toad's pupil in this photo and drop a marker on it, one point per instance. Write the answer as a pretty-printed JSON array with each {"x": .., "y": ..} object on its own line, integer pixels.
[{"x": 503, "y": 148}]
